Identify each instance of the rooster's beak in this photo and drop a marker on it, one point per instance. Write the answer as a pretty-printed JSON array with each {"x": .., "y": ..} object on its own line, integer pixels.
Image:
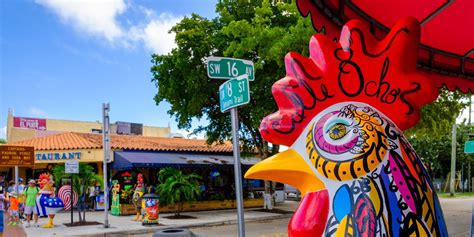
[{"x": 287, "y": 167}]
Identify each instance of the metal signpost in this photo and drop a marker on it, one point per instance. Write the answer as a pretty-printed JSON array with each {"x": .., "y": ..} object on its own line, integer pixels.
[
  {"x": 71, "y": 167},
  {"x": 106, "y": 147},
  {"x": 233, "y": 93}
]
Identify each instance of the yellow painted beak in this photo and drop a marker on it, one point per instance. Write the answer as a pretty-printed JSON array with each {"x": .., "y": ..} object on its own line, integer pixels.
[{"x": 287, "y": 167}]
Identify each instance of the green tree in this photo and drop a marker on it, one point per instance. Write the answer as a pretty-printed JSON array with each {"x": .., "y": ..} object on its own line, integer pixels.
[
  {"x": 3, "y": 141},
  {"x": 431, "y": 137},
  {"x": 262, "y": 31},
  {"x": 80, "y": 182},
  {"x": 438, "y": 118},
  {"x": 175, "y": 188}
]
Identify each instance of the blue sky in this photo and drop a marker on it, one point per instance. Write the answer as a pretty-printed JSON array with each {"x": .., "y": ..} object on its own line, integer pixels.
[{"x": 63, "y": 59}]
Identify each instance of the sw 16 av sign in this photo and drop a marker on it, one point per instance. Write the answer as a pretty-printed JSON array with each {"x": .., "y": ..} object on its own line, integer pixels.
[{"x": 227, "y": 68}]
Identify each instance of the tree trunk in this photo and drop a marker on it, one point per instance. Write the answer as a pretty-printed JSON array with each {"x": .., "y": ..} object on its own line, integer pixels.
[
  {"x": 84, "y": 213},
  {"x": 180, "y": 207},
  {"x": 79, "y": 212},
  {"x": 83, "y": 204}
]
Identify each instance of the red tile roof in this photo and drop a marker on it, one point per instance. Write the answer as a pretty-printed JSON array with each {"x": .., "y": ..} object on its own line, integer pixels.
[{"x": 73, "y": 140}]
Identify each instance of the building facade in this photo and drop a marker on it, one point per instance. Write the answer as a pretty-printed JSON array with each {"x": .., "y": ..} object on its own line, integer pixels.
[{"x": 23, "y": 128}]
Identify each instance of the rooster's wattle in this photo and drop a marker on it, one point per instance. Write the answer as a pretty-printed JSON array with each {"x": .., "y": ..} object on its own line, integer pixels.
[{"x": 342, "y": 112}]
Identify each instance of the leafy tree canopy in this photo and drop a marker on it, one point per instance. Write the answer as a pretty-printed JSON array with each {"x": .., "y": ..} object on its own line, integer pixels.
[{"x": 260, "y": 31}]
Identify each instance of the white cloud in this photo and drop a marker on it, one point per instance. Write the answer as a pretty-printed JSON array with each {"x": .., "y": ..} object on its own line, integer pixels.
[
  {"x": 3, "y": 132},
  {"x": 36, "y": 112},
  {"x": 155, "y": 34},
  {"x": 97, "y": 18}
]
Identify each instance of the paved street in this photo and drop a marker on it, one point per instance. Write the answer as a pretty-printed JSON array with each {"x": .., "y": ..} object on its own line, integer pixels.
[
  {"x": 272, "y": 228},
  {"x": 457, "y": 212}
]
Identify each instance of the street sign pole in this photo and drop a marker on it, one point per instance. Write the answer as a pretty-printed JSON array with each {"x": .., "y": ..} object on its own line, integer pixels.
[
  {"x": 16, "y": 181},
  {"x": 233, "y": 93},
  {"x": 72, "y": 201},
  {"x": 237, "y": 171},
  {"x": 106, "y": 147}
]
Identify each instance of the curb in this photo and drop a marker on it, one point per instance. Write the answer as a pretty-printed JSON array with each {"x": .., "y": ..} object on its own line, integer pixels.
[{"x": 150, "y": 230}]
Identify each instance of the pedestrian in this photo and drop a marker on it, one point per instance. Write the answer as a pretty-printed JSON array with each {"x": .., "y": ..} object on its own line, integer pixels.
[
  {"x": 21, "y": 198},
  {"x": 21, "y": 185},
  {"x": 14, "y": 215},
  {"x": 11, "y": 186},
  {"x": 2, "y": 210},
  {"x": 92, "y": 194},
  {"x": 31, "y": 192},
  {"x": 3, "y": 185}
]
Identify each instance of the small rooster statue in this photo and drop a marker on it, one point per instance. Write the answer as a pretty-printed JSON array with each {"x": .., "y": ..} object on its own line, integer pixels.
[
  {"x": 341, "y": 113},
  {"x": 47, "y": 202}
]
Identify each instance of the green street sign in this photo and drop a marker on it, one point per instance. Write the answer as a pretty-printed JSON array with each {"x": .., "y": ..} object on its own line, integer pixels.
[
  {"x": 469, "y": 147},
  {"x": 234, "y": 92},
  {"x": 227, "y": 68}
]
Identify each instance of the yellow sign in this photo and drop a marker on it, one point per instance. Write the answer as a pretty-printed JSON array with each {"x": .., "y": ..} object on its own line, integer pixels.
[
  {"x": 61, "y": 156},
  {"x": 16, "y": 156}
]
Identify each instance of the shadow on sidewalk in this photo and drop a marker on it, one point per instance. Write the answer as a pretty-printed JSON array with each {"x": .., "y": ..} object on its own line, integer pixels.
[{"x": 16, "y": 231}]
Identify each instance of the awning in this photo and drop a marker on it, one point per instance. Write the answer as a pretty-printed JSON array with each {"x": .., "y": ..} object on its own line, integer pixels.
[
  {"x": 132, "y": 159},
  {"x": 447, "y": 38}
]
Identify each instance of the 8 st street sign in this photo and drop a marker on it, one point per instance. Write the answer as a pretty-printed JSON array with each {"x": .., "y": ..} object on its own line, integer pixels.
[
  {"x": 234, "y": 92},
  {"x": 227, "y": 68}
]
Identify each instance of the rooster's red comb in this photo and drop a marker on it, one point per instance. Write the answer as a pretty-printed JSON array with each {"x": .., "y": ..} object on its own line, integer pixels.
[
  {"x": 358, "y": 68},
  {"x": 45, "y": 176}
]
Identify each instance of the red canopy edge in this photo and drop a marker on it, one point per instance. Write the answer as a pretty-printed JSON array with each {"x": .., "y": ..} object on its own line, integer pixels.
[{"x": 330, "y": 15}]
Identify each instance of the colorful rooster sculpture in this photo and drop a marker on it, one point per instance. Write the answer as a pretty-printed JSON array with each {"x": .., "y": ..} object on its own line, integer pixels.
[
  {"x": 47, "y": 203},
  {"x": 341, "y": 113}
]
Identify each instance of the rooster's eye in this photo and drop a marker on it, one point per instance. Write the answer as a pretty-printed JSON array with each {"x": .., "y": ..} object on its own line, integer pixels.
[{"x": 337, "y": 131}]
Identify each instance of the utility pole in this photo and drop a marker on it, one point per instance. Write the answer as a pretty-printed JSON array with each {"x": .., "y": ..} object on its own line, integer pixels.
[
  {"x": 106, "y": 147},
  {"x": 453, "y": 160},
  {"x": 469, "y": 181}
]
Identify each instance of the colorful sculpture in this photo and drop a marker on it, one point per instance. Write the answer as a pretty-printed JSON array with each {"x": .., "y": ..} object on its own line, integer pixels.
[
  {"x": 47, "y": 203},
  {"x": 115, "y": 206},
  {"x": 342, "y": 112},
  {"x": 150, "y": 206},
  {"x": 64, "y": 193},
  {"x": 137, "y": 197}
]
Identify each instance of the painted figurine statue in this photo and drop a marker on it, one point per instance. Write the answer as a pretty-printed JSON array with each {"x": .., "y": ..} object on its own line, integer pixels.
[
  {"x": 342, "y": 113},
  {"x": 137, "y": 197},
  {"x": 115, "y": 207},
  {"x": 47, "y": 203}
]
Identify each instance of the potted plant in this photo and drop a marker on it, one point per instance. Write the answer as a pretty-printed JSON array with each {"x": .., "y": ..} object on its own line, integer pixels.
[{"x": 175, "y": 188}]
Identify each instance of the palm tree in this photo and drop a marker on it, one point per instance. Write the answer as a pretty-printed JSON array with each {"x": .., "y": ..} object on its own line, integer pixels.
[
  {"x": 175, "y": 188},
  {"x": 80, "y": 182}
]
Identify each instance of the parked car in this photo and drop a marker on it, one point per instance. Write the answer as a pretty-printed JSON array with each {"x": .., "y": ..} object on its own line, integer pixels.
[{"x": 291, "y": 193}]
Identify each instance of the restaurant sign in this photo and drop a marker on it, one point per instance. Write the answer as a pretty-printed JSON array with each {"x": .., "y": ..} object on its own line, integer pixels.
[
  {"x": 58, "y": 156},
  {"x": 16, "y": 156},
  {"x": 31, "y": 123}
]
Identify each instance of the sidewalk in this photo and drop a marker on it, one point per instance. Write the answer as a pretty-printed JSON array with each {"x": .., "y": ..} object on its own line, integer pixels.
[
  {"x": 457, "y": 213},
  {"x": 123, "y": 225},
  {"x": 16, "y": 231}
]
